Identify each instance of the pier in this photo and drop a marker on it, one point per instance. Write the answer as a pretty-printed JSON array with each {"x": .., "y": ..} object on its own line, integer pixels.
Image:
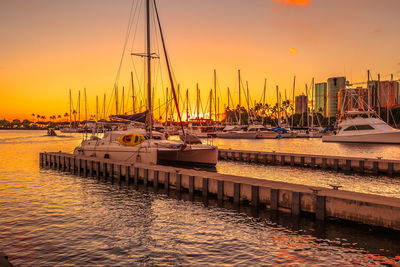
[
  {"x": 259, "y": 193},
  {"x": 375, "y": 166}
]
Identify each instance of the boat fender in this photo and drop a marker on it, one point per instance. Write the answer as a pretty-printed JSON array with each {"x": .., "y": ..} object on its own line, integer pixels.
[
  {"x": 279, "y": 136},
  {"x": 132, "y": 139}
]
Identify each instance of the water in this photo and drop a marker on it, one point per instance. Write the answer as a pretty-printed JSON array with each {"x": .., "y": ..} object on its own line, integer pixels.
[{"x": 54, "y": 219}]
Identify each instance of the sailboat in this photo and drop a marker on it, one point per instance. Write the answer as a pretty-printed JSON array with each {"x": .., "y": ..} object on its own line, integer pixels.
[{"x": 145, "y": 145}]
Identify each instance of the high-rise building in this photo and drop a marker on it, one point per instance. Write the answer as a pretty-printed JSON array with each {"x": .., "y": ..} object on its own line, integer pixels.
[
  {"x": 384, "y": 93},
  {"x": 320, "y": 98},
  {"x": 334, "y": 85},
  {"x": 301, "y": 104}
]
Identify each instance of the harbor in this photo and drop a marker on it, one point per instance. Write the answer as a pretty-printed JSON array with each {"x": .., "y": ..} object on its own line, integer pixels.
[{"x": 200, "y": 133}]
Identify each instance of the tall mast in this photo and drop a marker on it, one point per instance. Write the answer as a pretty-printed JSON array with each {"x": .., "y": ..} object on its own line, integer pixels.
[
  {"x": 70, "y": 108},
  {"x": 104, "y": 107},
  {"x": 187, "y": 104},
  {"x": 215, "y": 93},
  {"x": 85, "y": 105},
  {"x": 79, "y": 106},
  {"x": 198, "y": 102},
  {"x": 211, "y": 95},
  {"x": 150, "y": 126},
  {"x": 293, "y": 99},
  {"x": 133, "y": 94},
  {"x": 166, "y": 105},
  {"x": 97, "y": 107},
  {"x": 240, "y": 101},
  {"x": 277, "y": 105},
  {"x": 218, "y": 111},
  {"x": 308, "y": 125},
  {"x": 123, "y": 100},
  {"x": 228, "y": 97},
  {"x": 116, "y": 100},
  {"x": 159, "y": 109},
  {"x": 312, "y": 103},
  {"x": 369, "y": 92},
  {"x": 379, "y": 95}
]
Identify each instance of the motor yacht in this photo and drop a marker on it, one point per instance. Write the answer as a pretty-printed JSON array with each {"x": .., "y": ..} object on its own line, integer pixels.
[{"x": 364, "y": 127}]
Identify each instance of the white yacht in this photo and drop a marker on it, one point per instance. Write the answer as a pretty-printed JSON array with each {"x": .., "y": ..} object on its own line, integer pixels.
[
  {"x": 145, "y": 145},
  {"x": 364, "y": 127}
]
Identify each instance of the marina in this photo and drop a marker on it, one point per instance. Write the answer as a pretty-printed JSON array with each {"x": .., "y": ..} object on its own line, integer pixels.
[{"x": 181, "y": 143}]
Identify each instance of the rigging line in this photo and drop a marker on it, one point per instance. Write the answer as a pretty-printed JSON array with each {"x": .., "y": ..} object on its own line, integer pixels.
[
  {"x": 123, "y": 53},
  {"x": 168, "y": 65},
  {"x": 128, "y": 30}
]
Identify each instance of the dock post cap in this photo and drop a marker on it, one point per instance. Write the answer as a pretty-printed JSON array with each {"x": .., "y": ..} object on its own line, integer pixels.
[
  {"x": 335, "y": 187},
  {"x": 315, "y": 191}
]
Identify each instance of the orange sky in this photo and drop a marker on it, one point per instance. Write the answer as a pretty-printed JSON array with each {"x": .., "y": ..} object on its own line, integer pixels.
[{"x": 50, "y": 46}]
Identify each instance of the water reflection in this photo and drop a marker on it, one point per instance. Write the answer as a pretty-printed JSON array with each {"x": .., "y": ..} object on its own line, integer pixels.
[{"x": 49, "y": 218}]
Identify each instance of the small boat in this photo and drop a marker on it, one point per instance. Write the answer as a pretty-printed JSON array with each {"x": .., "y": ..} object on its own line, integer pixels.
[
  {"x": 364, "y": 127},
  {"x": 51, "y": 132}
]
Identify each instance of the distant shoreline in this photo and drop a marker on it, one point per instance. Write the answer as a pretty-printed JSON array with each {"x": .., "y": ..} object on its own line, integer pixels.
[{"x": 22, "y": 129}]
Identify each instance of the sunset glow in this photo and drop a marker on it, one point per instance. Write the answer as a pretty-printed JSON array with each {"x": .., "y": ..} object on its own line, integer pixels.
[{"x": 49, "y": 47}]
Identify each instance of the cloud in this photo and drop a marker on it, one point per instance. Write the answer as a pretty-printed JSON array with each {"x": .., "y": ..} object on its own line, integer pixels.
[
  {"x": 293, "y": 50},
  {"x": 302, "y": 3},
  {"x": 377, "y": 30}
]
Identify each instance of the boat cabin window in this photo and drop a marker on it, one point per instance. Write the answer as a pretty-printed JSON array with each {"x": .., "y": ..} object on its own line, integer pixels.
[
  {"x": 136, "y": 139},
  {"x": 365, "y": 127},
  {"x": 359, "y": 128}
]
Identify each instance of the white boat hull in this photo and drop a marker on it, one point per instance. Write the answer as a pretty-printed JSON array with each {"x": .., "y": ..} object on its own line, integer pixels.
[
  {"x": 192, "y": 154},
  {"x": 392, "y": 137}
]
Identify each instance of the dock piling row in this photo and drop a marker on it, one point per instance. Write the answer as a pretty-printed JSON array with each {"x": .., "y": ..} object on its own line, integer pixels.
[{"x": 258, "y": 193}]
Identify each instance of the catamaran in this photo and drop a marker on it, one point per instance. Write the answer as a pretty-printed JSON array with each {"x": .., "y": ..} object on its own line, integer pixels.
[{"x": 144, "y": 145}]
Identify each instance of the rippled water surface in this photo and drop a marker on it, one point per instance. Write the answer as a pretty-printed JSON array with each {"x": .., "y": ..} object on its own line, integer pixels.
[{"x": 53, "y": 219}]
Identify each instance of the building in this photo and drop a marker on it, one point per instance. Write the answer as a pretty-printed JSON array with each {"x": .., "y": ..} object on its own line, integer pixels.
[
  {"x": 384, "y": 93},
  {"x": 301, "y": 104},
  {"x": 334, "y": 85},
  {"x": 321, "y": 90}
]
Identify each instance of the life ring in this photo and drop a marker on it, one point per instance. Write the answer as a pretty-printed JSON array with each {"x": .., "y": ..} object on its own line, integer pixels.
[{"x": 132, "y": 139}]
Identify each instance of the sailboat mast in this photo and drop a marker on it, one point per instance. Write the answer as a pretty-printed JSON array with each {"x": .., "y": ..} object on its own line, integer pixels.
[
  {"x": 197, "y": 102},
  {"x": 240, "y": 101},
  {"x": 215, "y": 93},
  {"x": 79, "y": 107},
  {"x": 85, "y": 105},
  {"x": 293, "y": 100},
  {"x": 277, "y": 105},
  {"x": 70, "y": 108},
  {"x": 187, "y": 104},
  {"x": 308, "y": 125},
  {"x": 123, "y": 100},
  {"x": 150, "y": 121},
  {"x": 97, "y": 107},
  {"x": 133, "y": 94},
  {"x": 211, "y": 95},
  {"x": 116, "y": 100},
  {"x": 312, "y": 104},
  {"x": 166, "y": 105},
  {"x": 104, "y": 107}
]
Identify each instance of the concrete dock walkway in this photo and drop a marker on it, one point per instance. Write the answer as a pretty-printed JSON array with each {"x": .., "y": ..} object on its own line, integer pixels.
[{"x": 277, "y": 196}]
